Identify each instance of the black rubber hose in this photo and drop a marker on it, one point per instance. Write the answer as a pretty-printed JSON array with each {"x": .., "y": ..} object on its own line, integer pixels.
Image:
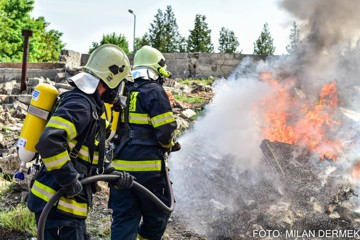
[{"x": 107, "y": 178}]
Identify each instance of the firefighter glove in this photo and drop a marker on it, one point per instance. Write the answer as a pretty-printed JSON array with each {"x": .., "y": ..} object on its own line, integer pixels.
[
  {"x": 73, "y": 189},
  {"x": 125, "y": 180},
  {"x": 176, "y": 147}
]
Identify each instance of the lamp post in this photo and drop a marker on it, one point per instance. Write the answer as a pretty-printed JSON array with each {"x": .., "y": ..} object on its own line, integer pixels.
[{"x": 132, "y": 12}]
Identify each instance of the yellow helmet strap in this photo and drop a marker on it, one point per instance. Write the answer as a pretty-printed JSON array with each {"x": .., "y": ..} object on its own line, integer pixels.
[{"x": 164, "y": 73}]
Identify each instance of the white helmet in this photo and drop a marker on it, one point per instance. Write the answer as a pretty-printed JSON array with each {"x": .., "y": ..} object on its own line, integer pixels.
[
  {"x": 107, "y": 63},
  {"x": 149, "y": 62}
]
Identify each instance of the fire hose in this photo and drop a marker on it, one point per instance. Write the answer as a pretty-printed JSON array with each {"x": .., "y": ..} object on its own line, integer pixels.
[{"x": 108, "y": 178}]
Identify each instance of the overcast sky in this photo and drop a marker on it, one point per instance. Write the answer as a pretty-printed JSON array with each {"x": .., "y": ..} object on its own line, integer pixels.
[{"x": 85, "y": 21}]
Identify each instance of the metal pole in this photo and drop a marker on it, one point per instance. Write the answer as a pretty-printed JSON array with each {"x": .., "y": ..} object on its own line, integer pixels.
[
  {"x": 132, "y": 12},
  {"x": 27, "y": 34},
  {"x": 134, "y": 32}
]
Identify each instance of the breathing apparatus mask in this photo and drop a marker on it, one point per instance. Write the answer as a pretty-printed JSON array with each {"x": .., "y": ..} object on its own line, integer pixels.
[
  {"x": 162, "y": 72},
  {"x": 110, "y": 94},
  {"x": 115, "y": 96}
]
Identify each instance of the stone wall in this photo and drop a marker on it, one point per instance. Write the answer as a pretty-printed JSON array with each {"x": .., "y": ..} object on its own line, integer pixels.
[
  {"x": 182, "y": 65},
  {"x": 198, "y": 65},
  {"x": 10, "y": 71}
]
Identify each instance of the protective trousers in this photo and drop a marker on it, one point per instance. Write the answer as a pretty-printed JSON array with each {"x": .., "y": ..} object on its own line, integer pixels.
[
  {"x": 129, "y": 206},
  {"x": 58, "y": 227}
]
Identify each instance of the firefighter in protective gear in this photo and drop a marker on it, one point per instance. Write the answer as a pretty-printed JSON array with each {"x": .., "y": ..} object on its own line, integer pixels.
[
  {"x": 72, "y": 144},
  {"x": 145, "y": 132}
]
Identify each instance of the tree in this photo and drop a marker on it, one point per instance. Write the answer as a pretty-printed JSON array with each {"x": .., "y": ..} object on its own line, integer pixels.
[
  {"x": 200, "y": 37},
  {"x": 228, "y": 42},
  {"x": 294, "y": 39},
  {"x": 44, "y": 45},
  {"x": 264, "y": 44},
  {"x": 182, "y": 45},
  {"x": 144, "y": 40},
  {"x": 163, "y": 33},
  {"x": 118, "y": 40}
]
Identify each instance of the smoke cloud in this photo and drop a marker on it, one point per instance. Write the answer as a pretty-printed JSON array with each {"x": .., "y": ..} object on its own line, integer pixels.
[{"x": 326, "y": 23}]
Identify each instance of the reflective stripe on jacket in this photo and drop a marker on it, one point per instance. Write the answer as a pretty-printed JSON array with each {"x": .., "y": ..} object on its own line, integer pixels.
[
  {"x": 67, "y": 205},
  {"x": 150, "y": 113},
  {"x": 69, "y": 124}
]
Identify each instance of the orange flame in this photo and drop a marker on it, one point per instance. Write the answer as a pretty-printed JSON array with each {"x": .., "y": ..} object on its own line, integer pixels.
[
  {"x": 356, "y": 171},
  {"x": 290, "y": 119}
]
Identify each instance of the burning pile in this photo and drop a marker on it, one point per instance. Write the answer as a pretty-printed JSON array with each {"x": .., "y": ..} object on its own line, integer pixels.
[{"x": 294, "y": 119}]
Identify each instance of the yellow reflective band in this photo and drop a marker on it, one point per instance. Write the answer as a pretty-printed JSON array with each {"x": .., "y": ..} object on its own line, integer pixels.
[
  {"x": 84, "y": 152},
  {"x": 162, "y": 119},
  {"x": 69, "y": 205},
  {"x": 141, "y": 238},
  {"x": 137, "y": 166},
  {"x": 132, "y": 103},
  {"x": 65, "y": 204},
  {"x": 57, "y": 161},
  {"x": 42, "y": 191},
  {"x": 62, "y": 123},
  {"x": 139, "y": 118}
]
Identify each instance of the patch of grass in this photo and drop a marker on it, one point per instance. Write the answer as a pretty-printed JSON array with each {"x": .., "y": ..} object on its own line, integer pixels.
[
  {"x": 189, "y": 82},
  {"x": 5, "y": 186},
  {"x": 18, "y": 219},
  {"x": 5, "y": 131},
  {"x": 189, "y": 99}
]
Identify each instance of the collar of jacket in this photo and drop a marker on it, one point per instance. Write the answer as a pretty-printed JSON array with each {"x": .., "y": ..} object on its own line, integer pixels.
[
  {"x": 145, "y": 73},
  {"x": 100, "y": 107}
]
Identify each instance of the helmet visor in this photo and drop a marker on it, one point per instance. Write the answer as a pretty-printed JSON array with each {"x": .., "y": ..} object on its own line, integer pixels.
[{"x": 85, "y": 82}]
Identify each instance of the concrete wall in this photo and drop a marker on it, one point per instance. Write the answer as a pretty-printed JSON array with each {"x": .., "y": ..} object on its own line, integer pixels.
[
  {"x": 199, "y": 65},
  {"x": 181, "y": 65},
  {"x": 10, "y": 71}
]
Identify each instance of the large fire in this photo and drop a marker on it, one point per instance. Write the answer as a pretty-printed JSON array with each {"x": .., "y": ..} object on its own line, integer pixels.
[{"x": 291, "y": 117}]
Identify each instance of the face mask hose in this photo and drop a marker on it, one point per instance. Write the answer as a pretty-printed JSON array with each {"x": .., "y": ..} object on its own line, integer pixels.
[{"x": 107, "y": 178}]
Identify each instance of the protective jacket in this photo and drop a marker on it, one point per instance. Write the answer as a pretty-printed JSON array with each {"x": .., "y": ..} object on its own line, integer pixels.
[
  {"x": 73, "y": 122},
  {"x": 146, "y": 126}
]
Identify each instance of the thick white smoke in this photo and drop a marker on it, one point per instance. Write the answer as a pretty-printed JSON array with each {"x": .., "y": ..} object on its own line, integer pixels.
[{"x": 221, "y": 145}]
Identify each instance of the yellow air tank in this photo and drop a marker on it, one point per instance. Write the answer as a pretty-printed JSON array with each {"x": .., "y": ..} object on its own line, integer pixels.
[
  {"x": 113, "y": 117},
  {"x": 42, "y": 101}
]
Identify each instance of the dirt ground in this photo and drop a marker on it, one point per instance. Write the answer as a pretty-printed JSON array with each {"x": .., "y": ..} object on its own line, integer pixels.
[{"x": 98, "y": 222}]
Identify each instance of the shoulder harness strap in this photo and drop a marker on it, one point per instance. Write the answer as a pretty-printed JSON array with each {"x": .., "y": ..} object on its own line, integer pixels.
[
  {"x": 127, "y": 132},
  {"x": 91, "y": 133}
]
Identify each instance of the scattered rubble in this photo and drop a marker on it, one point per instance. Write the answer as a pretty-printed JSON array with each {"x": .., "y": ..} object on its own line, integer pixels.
[{"x": 13, "y": 109}]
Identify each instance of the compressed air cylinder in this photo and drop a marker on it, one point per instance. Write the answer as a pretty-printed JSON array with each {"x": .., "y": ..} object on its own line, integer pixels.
[
  {"x": 113, "y": 118},
  {"x": 42, "y": 101}
]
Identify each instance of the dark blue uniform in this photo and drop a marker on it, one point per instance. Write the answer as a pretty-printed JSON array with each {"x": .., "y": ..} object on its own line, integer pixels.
[
  {"x": 70, "y": 123},
  {"x": 140, "y": 152}
]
